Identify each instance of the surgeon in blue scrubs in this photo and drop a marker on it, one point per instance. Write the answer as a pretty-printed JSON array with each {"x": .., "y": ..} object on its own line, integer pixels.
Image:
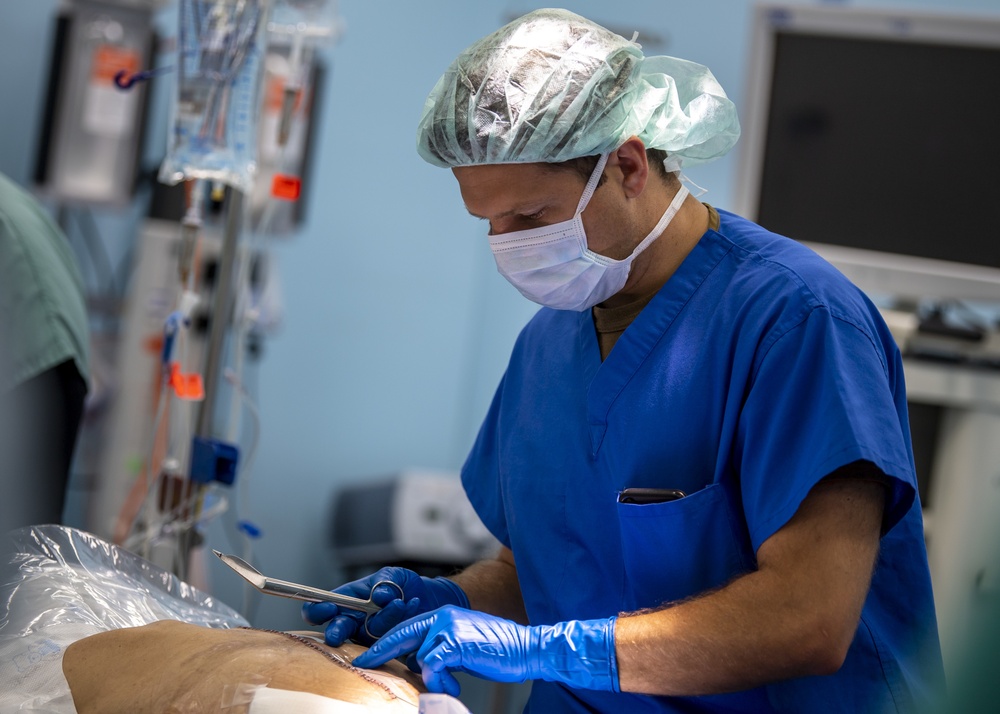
[{"x": 698, "y": 460}]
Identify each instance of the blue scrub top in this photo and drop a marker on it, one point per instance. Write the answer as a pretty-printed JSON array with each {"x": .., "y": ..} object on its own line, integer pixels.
[{"x": 757, "y": 370}]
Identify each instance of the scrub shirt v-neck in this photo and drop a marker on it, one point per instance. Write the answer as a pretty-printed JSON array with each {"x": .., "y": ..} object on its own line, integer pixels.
[
  {"x": 756, "y": 371},
  {"x": 611, "y": 322}
]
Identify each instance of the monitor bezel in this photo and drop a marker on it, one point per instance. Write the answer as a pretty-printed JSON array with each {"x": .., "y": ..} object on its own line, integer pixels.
[{"x": 876, "y": 272}]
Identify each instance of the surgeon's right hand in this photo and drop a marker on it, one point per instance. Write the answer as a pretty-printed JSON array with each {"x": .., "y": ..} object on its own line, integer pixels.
[{"x": 420, "y": 595}]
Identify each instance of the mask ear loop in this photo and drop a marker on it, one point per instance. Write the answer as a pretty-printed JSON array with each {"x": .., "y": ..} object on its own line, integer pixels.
[{"x": 591, "y": 186}]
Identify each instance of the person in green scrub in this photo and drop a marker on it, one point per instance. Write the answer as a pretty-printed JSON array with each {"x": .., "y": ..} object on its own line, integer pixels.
[{"x": 43, "y": 360}]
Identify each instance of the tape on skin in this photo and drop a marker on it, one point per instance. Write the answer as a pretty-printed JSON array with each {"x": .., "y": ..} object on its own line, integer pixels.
[
  {"x": 240, "y": 695},
  {"x": 281, "y": 701},
  {"x": 441, "y": 704}
]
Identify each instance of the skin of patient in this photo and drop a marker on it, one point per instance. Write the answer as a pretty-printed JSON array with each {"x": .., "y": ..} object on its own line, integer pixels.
[{"x": 173, "y": 666}]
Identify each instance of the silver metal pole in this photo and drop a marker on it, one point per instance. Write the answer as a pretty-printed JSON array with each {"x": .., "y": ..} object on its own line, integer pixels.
[
  {"x": 222, "y": 310},
  {"x": 218, "y": 327}
]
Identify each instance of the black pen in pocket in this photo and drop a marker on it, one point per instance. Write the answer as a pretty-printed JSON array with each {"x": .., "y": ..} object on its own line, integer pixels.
[{"x": 649, "y": 495}]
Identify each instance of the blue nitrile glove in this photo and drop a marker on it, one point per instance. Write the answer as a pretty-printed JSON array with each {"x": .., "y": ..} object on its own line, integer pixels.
[
  {"x": 577, "y": 653},
  {"x": 420, "y": 595}
]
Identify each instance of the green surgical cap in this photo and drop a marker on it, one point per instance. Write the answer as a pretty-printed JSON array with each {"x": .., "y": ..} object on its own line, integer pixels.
[{"x": 552, "y": 86}]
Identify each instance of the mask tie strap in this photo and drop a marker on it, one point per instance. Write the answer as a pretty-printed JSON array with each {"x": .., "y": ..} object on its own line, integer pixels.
[
  {"x": 684, "y": 178},
  {"x": 595, "y": 177},
  {"x": 661, "y": 225}
]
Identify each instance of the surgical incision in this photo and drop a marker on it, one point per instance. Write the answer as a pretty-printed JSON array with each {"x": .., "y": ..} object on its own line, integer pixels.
[{"x": 176, "y": 666}]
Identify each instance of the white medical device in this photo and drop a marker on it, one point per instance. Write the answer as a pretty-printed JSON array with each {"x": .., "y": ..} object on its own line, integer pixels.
[
  {"x": 92, "y": 130},
  {"x": 414, "y": 517}
]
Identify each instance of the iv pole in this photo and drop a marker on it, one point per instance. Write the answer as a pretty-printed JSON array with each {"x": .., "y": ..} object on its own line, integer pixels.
[{"x": 219, "y": 323}]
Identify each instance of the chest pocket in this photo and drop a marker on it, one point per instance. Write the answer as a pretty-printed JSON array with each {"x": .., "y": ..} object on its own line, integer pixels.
[{"x": 680, "y": 548}]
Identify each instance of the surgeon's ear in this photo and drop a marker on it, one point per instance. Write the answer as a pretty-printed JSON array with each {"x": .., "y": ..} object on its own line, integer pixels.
[{"x": 631, "y": 160}]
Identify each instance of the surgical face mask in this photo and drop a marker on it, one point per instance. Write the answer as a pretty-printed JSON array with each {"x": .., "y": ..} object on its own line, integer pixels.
[{"x": 553, "y": 266}]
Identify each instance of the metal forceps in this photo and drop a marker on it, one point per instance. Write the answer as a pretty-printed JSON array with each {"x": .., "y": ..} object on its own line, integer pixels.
[{"x": 283, "y": 588}]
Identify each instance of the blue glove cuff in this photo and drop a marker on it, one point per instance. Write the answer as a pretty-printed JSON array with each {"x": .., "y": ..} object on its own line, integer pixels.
[
  {"x": 577, "y": 653},
  {"x": 445, "y": 592}
]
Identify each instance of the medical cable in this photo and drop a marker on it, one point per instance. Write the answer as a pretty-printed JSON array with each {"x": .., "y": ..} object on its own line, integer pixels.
[
  {"x": 175, "y": 351},
  {"x": 133, "y": 542},
  {"x": 248, "y": 533},
  {"x": 247, "y": 314}
]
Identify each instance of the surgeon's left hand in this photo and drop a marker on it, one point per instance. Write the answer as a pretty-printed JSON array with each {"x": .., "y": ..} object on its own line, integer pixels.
[{"x": 578, "y": 653}]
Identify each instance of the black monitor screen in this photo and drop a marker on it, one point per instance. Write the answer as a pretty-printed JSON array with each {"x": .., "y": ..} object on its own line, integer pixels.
[{"x": 886, "y": 145}]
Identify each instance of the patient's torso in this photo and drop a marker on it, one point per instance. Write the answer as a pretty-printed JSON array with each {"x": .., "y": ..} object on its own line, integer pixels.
[{"x": 174, "y": 666}]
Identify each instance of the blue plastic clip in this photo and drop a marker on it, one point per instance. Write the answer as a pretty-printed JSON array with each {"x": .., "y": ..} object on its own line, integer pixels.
[
  {"x": 213, "y": 460},
  {"x": 173, "y": 324},
  {"x": 250, "y": 529}
]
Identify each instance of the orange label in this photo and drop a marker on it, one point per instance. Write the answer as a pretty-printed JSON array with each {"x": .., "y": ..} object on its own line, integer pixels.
[
  {"x": 186, "y": 386},
  {"x": 108, "y": 60},
  {"x": 286, "y": 187}
]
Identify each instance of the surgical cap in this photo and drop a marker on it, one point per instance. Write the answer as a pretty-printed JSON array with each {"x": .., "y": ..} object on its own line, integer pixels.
[{"x": 552, "y": 86}]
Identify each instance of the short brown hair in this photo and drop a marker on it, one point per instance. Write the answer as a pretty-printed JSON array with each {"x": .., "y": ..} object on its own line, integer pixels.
[{"x": 584, "y": 166}]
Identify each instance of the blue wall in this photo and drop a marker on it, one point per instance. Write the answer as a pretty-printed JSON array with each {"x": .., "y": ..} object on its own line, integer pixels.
[{"x": 397, "y": 326}]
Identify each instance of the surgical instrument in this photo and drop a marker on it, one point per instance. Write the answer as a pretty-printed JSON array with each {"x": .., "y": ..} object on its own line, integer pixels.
[{"x": 283, "y": 588}]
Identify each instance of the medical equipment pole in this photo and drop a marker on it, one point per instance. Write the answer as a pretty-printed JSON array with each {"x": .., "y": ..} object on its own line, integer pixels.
[
  {"x": 222, "y": 310},
  {"x": 220, "y": 318}
]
